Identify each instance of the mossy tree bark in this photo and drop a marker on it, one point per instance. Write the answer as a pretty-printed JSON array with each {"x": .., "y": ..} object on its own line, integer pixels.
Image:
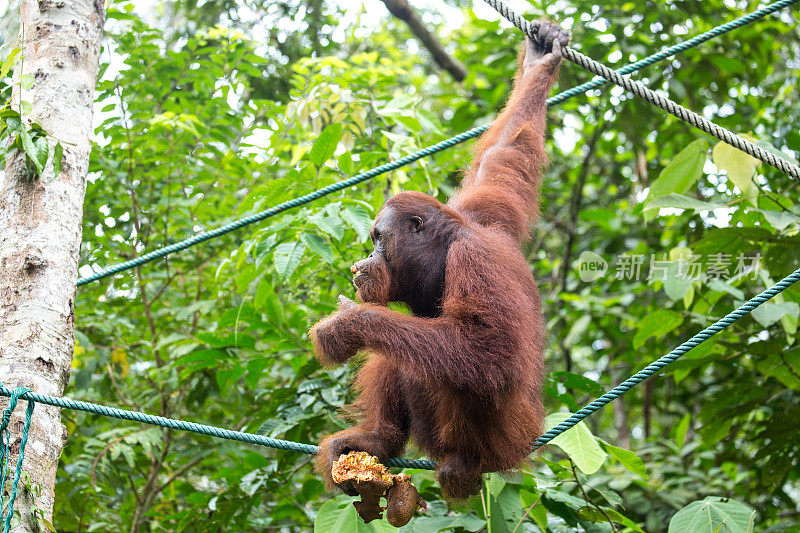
[{"x": 40, "y": 231}]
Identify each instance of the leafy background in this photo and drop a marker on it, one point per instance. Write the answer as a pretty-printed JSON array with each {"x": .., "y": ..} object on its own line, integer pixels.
[{"x": 210, "y": 111}]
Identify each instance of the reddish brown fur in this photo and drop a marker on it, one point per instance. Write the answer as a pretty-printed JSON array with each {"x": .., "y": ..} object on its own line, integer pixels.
[{"x": 462, "y": 376}]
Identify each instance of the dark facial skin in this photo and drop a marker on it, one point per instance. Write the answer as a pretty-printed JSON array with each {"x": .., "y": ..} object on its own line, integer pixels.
[
  {"x": 383, "y": 235},
  {"x": 424, "y": 255}
]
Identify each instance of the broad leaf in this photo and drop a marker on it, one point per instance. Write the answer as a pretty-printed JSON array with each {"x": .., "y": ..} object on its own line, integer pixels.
[
  {"x": 31, "y": 150},
  {"x": 713, "y": 514},
  {"x": 768, "y": 313},
  {"x": 785, "y": 367},
  {"x": 628, "y": 459},
  {"x": 780, "y": 220},
  {"x": 318, "y": 245},
  {"x": 656, "y": 324},
  {"x": 680, "y": 201},
  {"x": 358, "y": 219},
  {"x": 325, "y": 145},
  {"x": 681, "y": 172},
  {"x": 58, "y": 158},
  {"x": 339, "y": 515},
  {"x": 42, "y": 151},
  {"x": 335, "y": 516},
  {"x": 287, "y": 256},
  {"x": 578, "y": 443},
  {"x": 332, "y": 225},
  {"x": 740, "y": 167},
  {"x": 680, "y": 430}
]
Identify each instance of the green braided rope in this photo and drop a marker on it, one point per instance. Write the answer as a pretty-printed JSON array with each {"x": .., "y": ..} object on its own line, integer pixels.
[
  {"x": 643, "y": 92},
  {"x": 672, "y": 356},
  {"x": 430, "y": 150},
  {"x": 280, "y": 444},
  {"x": 5, "y": 452},
  {"x": 677, "y": 48},
  {"x": 202, "y": 429}
]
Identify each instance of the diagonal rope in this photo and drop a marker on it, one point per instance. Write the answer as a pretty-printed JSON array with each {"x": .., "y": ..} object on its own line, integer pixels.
[
  {"x": 640, "y": 90},
  {"x": 430, "y": 150},
  {"x": 280, "y": 444},
  {"x": 744, "y": 309}
]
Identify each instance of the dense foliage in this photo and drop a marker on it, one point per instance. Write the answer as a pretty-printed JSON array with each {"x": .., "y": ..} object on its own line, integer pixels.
[{"x": 213, "y": 111}]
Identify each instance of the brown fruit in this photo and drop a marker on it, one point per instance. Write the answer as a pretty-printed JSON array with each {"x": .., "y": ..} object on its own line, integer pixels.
[
  {"x": 402, "y": 501},
  {"x": 372, "y": 480}
]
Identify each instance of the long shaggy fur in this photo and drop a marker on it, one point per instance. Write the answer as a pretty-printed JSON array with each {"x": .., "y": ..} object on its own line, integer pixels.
[{"x": 463, "y": 375}]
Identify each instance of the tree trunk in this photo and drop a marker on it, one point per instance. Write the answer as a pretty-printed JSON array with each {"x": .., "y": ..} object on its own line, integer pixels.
[
  {"x": 402, "y": 10},
  {"x": 40, "y": 229}
]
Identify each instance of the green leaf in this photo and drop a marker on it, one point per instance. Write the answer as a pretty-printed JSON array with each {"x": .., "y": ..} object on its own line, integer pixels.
[
  {"x": 770, "y": 312},
  {"x": 42, "y": 151},
  {"x": 578, "y": 443},
  {"x": 580, "y": 382},
  {"x": 332, "y": 225},
  {"x": 603, "y": 514},
  {"x": 721, "y": 286},
  {"x": 346, "y": 163},
  {"x": 680, "y": 430},
  {"x": 318, "y": 245},
  {"x": 254, "y": 370},
  {"x": 58, "y": 157},
  {"x": 26, "y": 81},
  {"x": 616, "y": 516},
  {"x": 287, "y": 256},
  {"x": 740, "y": 167},
  {"x": 9, "y": 61},
  {"x": 229, "y": 376},
  {"x": 508, "y": 501},
  {"x": 681, "y": 172},
  {"x": 608, "y": 495},
  {"x": 656, "y": 324},
  {"x": 339, "y": 516},
  {"x": 785, "y": 367},
  {"x": 678, "y": 274},
  {"x": 334, "y": 517},
  {"x": 30, "y": 149},
  {"x": 425, "y": 524},
  {"x": 358, "y": 219},
  {"x": 325, "y": 145},
  {"x": 713, "y": 514},
  {"x": 628, "y": 459},
  {"x": 273, "y": 307},
  {"x": 680, "y": 201},
  {"x": 400, "y": 101},
  {"x": 780, "y": 220}
]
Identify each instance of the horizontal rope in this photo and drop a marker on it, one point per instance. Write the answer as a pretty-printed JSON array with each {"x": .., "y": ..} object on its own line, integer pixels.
[
  {"x": 643, "y": 92},
  {"x": 202, "y": 429},
  {"x": 442, "y": 145},
  {"x": 280, "y": 444}
]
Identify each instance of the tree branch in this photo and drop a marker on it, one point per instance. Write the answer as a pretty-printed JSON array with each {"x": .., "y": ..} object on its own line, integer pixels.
[
  {"x": 403, "y": 11},
  {"x": 179, "y": 472}
]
